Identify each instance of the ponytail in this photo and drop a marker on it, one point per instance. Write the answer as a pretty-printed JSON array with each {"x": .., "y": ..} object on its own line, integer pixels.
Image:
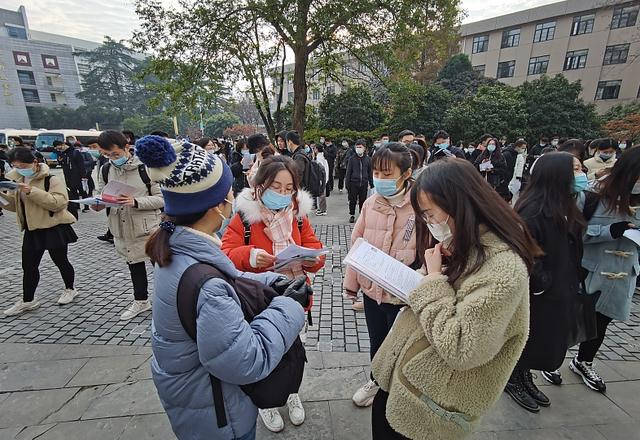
[{"x": 157, "y": 247}]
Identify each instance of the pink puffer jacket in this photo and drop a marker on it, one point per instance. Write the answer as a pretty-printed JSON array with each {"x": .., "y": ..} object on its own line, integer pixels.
[{"x": 391, "y": 229}]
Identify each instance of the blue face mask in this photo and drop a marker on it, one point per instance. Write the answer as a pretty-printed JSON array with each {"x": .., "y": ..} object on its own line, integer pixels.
[
  {"x": 245, "y": 152},
  {"x": 580, "y": 182},
  {"x": 443, "y": 146},
  {"x": 275, "y": 201},
  {"x": 119, "y": 162},
  {"x": 385, "y": 187},
  {"x": 25, "y": 172},
  {"x": 491, "y": 148},
  {"x": 307, "y": 150}
]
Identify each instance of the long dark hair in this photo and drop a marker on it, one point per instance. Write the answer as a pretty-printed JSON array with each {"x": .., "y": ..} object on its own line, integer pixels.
[
  {"x": 615, "y": 190},
  {"x": 486, "y": 154},
  {"x": 267, "y": 172},
  {"x": 157, "y": 246},
  {"x": 550, "y": 190},
  {"x": 459, "y": 190}
]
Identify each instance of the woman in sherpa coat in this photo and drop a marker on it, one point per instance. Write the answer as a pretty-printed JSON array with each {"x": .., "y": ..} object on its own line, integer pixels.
[{"x": 450, "y": 353}]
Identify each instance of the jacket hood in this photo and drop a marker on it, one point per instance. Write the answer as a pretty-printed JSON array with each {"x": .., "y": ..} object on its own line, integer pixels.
[
  {"x": 200, "y": 246},
  {"x": 43, "y": 171},
  {"x": 250, "y": 209}
]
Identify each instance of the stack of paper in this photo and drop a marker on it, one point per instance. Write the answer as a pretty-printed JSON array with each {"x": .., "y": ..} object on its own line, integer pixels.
[
  {"x": 109, "y": 196},
  {"x": 387, "y": 272},
  {"x": 633, "y": 235},
  {"x": 294, "y": 253}
]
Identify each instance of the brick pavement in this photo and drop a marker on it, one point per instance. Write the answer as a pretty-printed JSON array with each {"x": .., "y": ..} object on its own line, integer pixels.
[{"x": 103, "y": 280}]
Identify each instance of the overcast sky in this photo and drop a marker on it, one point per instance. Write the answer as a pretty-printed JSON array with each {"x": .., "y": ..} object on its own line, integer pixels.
[{"x": 92, "y": 19}]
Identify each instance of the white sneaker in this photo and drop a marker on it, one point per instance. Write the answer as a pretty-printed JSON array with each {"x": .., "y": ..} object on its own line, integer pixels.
[
  {"x": 67, "y": 296},
  {"x": 135, "y": 309},
  {"x": 21, "y": 307},
  {"x": 272, "y": 419},
  {"x": 296, "y": 411},
  {"x": 365, "y": 394}
]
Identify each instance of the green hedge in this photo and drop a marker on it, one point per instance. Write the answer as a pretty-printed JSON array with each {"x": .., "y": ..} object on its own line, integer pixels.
[{"x": 314, "y": 135}]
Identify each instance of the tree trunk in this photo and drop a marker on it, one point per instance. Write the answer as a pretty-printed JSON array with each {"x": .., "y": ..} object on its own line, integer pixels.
[{"x": 300, "y": 88}]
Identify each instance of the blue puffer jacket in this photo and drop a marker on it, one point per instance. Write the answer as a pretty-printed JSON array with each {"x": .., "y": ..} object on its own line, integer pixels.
[
  {"x": 612, "y": 263},
  {"x": 228, "y": 346}
]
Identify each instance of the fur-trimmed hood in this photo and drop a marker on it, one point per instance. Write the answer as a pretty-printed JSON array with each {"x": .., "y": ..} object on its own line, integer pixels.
[{"x": 249, "y": 208}]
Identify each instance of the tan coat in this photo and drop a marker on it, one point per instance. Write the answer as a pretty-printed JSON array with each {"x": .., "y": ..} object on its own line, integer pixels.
[
  {"x": 132, "y": 226},
  {"x": 596, "y": 164},
  {"x": 457, "y": 345},
  {"x": 39, "y": 204}
]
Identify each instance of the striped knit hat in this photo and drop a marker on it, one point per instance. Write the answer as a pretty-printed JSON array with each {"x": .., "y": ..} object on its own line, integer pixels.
[{"x": 191, "y": 179}]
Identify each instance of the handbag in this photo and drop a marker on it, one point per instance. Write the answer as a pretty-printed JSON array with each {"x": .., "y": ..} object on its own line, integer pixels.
[{"x": 583, "y": 325}]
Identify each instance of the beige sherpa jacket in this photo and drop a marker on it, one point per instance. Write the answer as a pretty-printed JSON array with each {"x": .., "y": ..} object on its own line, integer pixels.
[{"x": 455, "y": 344}]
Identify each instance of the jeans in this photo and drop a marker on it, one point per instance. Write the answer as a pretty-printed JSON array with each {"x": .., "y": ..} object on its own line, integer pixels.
[
  {"x": 251, "y": 435},
  {"x": 139, "y": 279},
  {"x": 31, "y": 259},
  {"x": 380, "y": 319}
]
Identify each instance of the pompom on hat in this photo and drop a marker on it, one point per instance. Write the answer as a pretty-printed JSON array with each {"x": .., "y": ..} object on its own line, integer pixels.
[{"x": 191, "y": 180}]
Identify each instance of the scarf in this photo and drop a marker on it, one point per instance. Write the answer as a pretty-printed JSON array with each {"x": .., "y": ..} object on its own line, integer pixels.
[{"x": 279, "y": 229}]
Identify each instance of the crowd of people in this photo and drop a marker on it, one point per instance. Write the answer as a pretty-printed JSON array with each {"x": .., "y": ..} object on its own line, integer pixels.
[{"x": 526, "y": 251}]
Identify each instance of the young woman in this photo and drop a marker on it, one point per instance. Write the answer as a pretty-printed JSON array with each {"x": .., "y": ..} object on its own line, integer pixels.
[
  {"x": 133, "y": 222},
  {"x": 492, "y": 166},
  {"x": 548, "y": 207},
  {"x": 228, "y": 347},
  {"x": 387, "y": 221},
  {"x": 274, "y": 214},
  {"x": 452, "y": 350},
  {"x": 40, "y": 204},
  {"x": 610, "y": 259}
]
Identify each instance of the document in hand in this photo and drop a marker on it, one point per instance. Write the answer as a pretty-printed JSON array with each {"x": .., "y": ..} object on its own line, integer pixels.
[
  {"x": 8, "y": 185},
  {"x": 387, "y": 272},
  {"x": 110, "y": 194},
  {"x": 295, "y": 253},
  {"x": 633, "y": 235},
  {"x": 486, "y": 166}
]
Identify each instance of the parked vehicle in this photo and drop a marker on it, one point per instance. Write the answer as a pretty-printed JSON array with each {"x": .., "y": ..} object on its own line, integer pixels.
[
  {"x": 45, "y": 139},
  {"x": 28, "y": 136}
]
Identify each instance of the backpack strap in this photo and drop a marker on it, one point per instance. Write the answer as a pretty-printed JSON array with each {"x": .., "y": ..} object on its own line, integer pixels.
[
  {"x": 47, "y": 185},
  {"x": 300, "y": 224},
  {"x": 189, "y": 287},
  {"x": 105, "y": 172},
  {"x": 247, "y": 229},
  {"x": 142, "y": 170}
]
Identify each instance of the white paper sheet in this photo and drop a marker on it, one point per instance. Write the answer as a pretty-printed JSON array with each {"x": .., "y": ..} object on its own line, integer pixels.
[
  {"x": 486, "y": 166},
  {"x": 294, "y": 253},
  {"x": 114, "y": 189},
  {"x": 92, "y": 201},
  {"x": 633, "y": 235},
  {"x": 8, "y": 185}
]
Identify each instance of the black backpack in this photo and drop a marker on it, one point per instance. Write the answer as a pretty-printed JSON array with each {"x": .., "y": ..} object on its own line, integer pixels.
[
  {"x": 314, "y": 175},
  {"x": 142, "y": 170},
  {"x": 272, "y": 391}
]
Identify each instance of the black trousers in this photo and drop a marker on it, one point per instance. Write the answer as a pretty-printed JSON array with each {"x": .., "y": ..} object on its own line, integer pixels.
[
  {"x": 380, "y": 319},
  {"x": 330, "y": 182},
  {"x": 139, "y": 279},
  {"x": 588, "y": 349},
  {"x": 341, "y": 173},
  {"x": 357, "y": 195},
  {"x": 31, "y": 259},
  {"x": 74, "y": 194},
  {"x": 380, "y": 427}
]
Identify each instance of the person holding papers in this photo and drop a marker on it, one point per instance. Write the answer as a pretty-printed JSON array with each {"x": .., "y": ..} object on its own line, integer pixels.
[
  {"x": 40, "y": 203},
  {"x": 451, "y": 351},
  {"x": 139, "y": 213},
  {"x": 270, "y": 217},
  {"x": 387, "y": 221},
  {"x": 493, "y": 167}
]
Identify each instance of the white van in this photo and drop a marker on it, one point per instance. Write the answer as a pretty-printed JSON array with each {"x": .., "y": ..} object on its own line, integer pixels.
[
  {"x": 44, "y": 141},
  {"x": 26, "y": 135}
]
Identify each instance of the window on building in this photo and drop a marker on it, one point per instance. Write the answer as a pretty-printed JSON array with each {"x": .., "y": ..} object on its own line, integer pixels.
[
  {"x": 616, "y": 54},
  {"x": 290, "y": 97},
  {"x": 538, "y": 65},
  {"x": 506, "y": 69},
  {"x": 544, "y": 31},
  {"x": 480, "y": 44},
  {"x": 50, "y": 61},
  {"x": 21, "y": 58},
  {"x": 16, "y": 32},
  {"x": 511, "y": 38},
  {"x": 480, "y": 69},
  {"x": 624, "y": 16},
  {"x": 583, "y": 24},
  {"x": 608, "y": 89},
  {"x": 26, "y": 78},
  {"x": 54, "y": 97},
  {"x": 49, "y": 81},
  {"x": 316, "y": 94},
  {"x": 576, "y": 59},
  {"x": 30, "y": 95}
]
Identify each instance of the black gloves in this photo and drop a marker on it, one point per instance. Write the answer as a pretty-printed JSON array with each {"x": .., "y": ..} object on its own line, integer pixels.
[
  {"x": 281, "y": 284},
  {"x": 300, "y": 291},
  {"x": 617, "y": 229}
]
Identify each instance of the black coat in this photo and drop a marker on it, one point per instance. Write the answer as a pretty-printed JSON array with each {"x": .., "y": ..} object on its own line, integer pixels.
[
  {"x": 359, "y": 171},
  {"x": 497, "y": 175},
  {"x": 330, "y": 153},
  {"x": 554, "y": 286},
  {"x": 72, "y": 164}
]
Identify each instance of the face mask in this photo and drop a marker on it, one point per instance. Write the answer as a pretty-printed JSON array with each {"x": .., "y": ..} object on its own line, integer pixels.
[
  {"x": 636, "y": 189},
  {"x": 245, "y": 152},
  {"x": 377, "y": 144},
  {"x": 345, "y": 144},
  {"x": 84, "y": 149},
  {"x": 119, "y": 162},
  {"x": 623, "y": 146},
  {"x": 580, "y": 182},
  {"x": 322, "y": 140},
  {"x": 385, "y": 187},
  {"x": 275, "y": 201},
  {"x": 554, "y": 142},
  {"x": 605, "y": 156},
  {"x": 385, "y": 142},
  {"x": 416, "y": 173},
  {"x": 360, "y": 151},
  {"x": 441, "y": 231},
  {"x": 307, "y": 150},
  {"x": 491, "y": 148},
  {"x": 25, "y": 172},
  {"x": 470, "y": 150},
  {"x": 443, "y": 146},
  {"x": 542, "y": 144}
]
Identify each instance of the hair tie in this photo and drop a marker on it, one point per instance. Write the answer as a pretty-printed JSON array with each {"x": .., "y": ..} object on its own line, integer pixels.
[{"x": 168, "y": 226}]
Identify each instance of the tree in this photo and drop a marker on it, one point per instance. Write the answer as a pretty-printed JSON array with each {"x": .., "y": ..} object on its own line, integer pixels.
[
  {"x": 458, "y": 77},
  {"x": 497, "y": 110},
  {"x": 250, "y": 35},
  {"x": 626, "y": 128},
  {"x": 240, "y": 130},
  {"x": 216, "y": 124},
  {"x": 142, "y": 125},
  {"x": 456, "y": 65},
  {"x": 554, "y": 107},
  {"x": 620, "y": 111},
  {"x": 353, "y": 109},
  {"x": 82, "y": 118},
  {"x": 418, "y": 107}
]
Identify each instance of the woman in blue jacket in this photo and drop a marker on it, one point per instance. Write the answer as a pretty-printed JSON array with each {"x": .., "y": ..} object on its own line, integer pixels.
[{"x": 197, "y": 191}]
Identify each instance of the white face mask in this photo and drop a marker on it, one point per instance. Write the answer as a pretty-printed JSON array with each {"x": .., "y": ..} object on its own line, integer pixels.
[
  {"x": 345, "y": 144},
  {"x": 441, "y": 232},
  {"x": 359, "y": 151}
]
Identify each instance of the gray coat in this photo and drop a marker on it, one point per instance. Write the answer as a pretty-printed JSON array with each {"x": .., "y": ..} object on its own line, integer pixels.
[
  {"x": 612, "y": 263},
  {"x": 230, "y": 348}
]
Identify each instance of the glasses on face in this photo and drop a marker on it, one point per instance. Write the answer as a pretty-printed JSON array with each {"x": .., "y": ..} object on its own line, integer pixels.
[
  {"x": 430, "y": 219},
  {"x": 113, "y": 154}
]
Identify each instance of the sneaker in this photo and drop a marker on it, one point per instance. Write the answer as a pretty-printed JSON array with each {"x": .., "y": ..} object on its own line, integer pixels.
[
  {"x": 540, "y": 397},
  {"x": 296, "y": 411},
  {"x": 21, "y": 307},
  {"x": 553, "y": 377},
  {"x": 67, "y": 296},
  {"x": 358, "y": 306},
  {"x": 518, "y": 393},
  {"x": 106, "y": 237},
  {"x": 365, "y": 394},
  {"x": 352, "y": 219},
  {"x": 272, "y": 419},
  {"x": 135, "y": 309},
  {"x": 589, "y": 375},
  {"x": 321, "y": 213},
  {"x": 340, "y": 191}
]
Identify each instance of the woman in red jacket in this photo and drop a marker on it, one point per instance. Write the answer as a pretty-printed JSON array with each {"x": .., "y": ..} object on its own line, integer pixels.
[{"x": 271, "y": 216}]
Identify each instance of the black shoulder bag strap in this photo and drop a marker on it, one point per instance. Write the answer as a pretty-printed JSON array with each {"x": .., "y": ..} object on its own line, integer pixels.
[
  {"x": 105, "y": 172},
  {"x": 142, "y": 170},
  {"x": 47, "y": 185},
  {"x": 590, "y": 205},
  {"x": 247, "y": 228},
  {"x": 189, "y": 287}
]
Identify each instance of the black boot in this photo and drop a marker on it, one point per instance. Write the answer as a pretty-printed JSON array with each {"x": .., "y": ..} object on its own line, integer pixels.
[
  {"x": 533, "y": 390},
  {"x": 515, "y": 388}
]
